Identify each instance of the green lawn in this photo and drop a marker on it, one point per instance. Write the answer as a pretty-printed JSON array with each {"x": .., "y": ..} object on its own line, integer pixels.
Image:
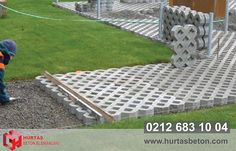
[
  {"x": 223, "y": 113},
  {"x": 63, "y": 46}
]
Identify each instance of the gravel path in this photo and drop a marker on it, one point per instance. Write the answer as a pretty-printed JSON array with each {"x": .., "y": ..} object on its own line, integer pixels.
[{"x": 35, "y": 109}]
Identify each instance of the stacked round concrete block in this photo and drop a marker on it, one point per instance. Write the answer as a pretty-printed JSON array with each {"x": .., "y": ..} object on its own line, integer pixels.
[
  {"x": 184, "y": 45},
  {"x": 184, "y": 15},
  {"x": 82, "y": 6},
  {"x": 105, "y": 5},
  {"x": 201, "y": 21},
  {"x": 91, "y": 5},
  {"x": 139, "y": 1}
]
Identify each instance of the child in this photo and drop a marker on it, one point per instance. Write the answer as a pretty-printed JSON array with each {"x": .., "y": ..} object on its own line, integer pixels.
[{"x": 7, "y": 52}]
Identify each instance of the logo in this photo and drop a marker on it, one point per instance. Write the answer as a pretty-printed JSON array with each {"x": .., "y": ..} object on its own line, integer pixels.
[{"x": 12, "y": 140}]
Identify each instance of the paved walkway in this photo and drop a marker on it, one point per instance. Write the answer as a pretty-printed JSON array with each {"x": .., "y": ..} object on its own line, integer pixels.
[{"x": 156, "y": 88}]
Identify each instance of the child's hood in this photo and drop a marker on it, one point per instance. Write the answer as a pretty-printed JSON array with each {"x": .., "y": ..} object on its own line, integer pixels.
[{"x": 3, "y": 49}]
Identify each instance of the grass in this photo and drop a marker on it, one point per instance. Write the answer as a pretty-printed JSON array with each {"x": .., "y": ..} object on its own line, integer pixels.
[
  {"x": 223, "y": 113},
  {"x": 63, "y": 46}
]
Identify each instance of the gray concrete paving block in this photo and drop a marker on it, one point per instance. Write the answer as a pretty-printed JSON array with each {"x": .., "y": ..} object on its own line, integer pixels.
[
  {"x": 184, "y": 45},
  {"x": 181, "y": 16},
  {"x": 199, "y": 19},
  {"x": 91, "y": 5},
  {"x": 63, "y": 99},
  {"x": 139, "y": 1}
]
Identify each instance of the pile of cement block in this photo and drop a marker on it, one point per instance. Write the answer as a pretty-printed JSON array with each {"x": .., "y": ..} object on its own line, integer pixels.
[
  {"x": 83, "y": 7},
  {"x": 184, "y": 45},
  {"x": 91, "y": 5},
  {"x": 139, "y": 1},
  {"x": 105, "y": 5},
  {"x": 184, "y": 15}
]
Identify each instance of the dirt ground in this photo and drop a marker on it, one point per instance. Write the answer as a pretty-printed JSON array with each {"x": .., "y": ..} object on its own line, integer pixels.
[{"x": 35, "y": 109}]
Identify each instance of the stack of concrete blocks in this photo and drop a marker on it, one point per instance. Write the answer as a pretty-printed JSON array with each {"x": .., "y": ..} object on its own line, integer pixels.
[
  {"x": 139, "y": 1},
  {"x": 83, "y": 7},
  {"x": 91, "y": 5},
  {"x": 184, "y": 45},
  {"x": 105, "y": 5},
  {"x": 184, "y": 15}
]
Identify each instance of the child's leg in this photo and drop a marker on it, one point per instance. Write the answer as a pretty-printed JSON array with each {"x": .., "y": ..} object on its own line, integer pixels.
[{"x": 4, "y": 98}]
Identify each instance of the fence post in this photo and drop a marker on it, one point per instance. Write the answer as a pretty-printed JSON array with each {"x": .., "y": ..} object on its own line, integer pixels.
[
  {"x": 161, "y": 20},
  {"x": 165, "y": 2},
  {"x": 226, "y": 20},
  {"x": 98, "y": 9},
  {"x": 211, "y": 19},
  {"x": 235, "y": 3}
]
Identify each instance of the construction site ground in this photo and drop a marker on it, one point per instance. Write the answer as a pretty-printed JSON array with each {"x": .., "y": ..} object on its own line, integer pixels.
[{"x": 34, "y": 110}]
